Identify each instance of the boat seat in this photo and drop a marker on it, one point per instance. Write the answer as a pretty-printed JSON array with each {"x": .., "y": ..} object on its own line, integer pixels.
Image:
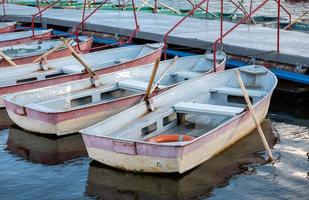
[
  {"x": 72, "y": 69},
  {"x": 135, "y": 85},
  {"x": 186, "y": 74},
  {"x": 41, "y": 108},
  {"x": 253, "y": 70},
  {"x": 238, "y": 91},
  {"x": 121, "y": 60},
  {"x": 200, "y": 108}
]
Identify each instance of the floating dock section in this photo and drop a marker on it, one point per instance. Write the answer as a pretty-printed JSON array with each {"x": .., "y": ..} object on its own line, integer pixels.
[{"x": 247, "y": 40}]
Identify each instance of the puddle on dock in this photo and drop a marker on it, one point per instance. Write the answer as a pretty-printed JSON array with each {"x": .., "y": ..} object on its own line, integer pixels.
[{"x": 33, "y": 166}]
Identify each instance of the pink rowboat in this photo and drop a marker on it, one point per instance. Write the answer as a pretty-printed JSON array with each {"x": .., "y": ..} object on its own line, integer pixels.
[
  {"x": 57, "y": 71},
  {"x": 13, "y": 38},
  {"x": 28, "y": 52},
  {"x": 209, "y": 109},
  {"x": 67, "y": 108},
  {"x": 6, "y": 27}
]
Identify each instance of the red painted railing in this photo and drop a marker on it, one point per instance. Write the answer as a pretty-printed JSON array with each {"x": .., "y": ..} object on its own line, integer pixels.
[
  {"x": 84, "y": 19},
  {"x": 242, "y": 21},
  {"x": 3, "y": 7},
  {"x": 286, "y": 11},
  {"x": 178, "y": 23},
  {"x": 40, "y": 13},
  {"x": 196, "y": 6}
]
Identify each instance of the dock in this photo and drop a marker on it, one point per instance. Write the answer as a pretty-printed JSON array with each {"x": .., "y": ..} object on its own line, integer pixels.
[{"x": 247, "y": 40}]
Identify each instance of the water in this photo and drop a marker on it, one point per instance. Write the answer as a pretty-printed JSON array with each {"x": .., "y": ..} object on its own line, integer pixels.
[{"x": 35, "y": 167}]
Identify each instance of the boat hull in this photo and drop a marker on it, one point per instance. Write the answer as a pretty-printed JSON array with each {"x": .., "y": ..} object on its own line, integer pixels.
[
  {"x": 43, "y": 36},
  {"x": 8, "y": 29},
  {"x": 84, "y": 46},
  {"x": 66, "y": 122},
  {"x": 63, "y": 79},
  {"x": 63, "y": 123},
  {"x": 142, "y": 157}
]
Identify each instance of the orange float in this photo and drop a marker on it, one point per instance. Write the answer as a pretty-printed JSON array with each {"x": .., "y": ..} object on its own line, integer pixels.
[{"x": 170, "y": 138}]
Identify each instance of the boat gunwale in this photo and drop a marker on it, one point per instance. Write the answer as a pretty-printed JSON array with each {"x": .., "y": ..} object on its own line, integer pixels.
[
  {"x": 84, "y": 74},
  {"x": 41, "y": 53},
  {"x": 39, "y": 35},
  {"x": 10, "y": 25},
  {"x": 128, "y": 97},
  {"x": 183, "y": 145}
]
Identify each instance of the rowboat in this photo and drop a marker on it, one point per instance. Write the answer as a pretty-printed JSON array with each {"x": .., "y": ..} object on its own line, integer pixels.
[
  {"x": 190, "y": 123},
  {"x": 107, "y": 183},
  {"x": 44, "y": 150},
  {"x": 29, "y": 52},
  {"x": 9, "y": 39},
  {"x": 62, "y": 70},
  {"x": 66, "y": 108},
  {"x": 6, "y": 27}
]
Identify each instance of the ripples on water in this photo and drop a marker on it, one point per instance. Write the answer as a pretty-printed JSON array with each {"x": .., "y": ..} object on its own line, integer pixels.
[{"x": 34, "y": 167}]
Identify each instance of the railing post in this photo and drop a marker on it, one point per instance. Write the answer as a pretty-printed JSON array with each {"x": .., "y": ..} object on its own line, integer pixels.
[
  {"x": 178, "y": 23},
  {"x": 278, "y": 26},
  {"x": 3, "y": 7},
  {"x": 83, "y": 15},
  {"x": 155, "y": 6},
  {"x": 40, "y": 13},
  {"x": 231, "y": 29},
  {"x": 207, "y": 7},
  {"x": 221, "y": 21}
]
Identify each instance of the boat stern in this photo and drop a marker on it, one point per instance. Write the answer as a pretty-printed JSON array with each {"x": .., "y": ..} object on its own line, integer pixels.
[{"x": 134, "y": 156}]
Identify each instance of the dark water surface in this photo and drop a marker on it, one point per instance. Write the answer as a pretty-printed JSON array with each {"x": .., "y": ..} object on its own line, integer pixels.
[{"x": 37, "y": 167}]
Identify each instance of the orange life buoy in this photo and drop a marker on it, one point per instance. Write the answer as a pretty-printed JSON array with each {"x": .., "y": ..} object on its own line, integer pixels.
[{"x": 170, "y": 138}]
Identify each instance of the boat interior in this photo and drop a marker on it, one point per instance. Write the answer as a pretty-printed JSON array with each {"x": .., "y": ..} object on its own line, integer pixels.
[
  {"x": 20, "y": 34},
  {"x": 208, "y": 109},
  {"x": 33, "y": 48},
  {"x": 134, "y": 83},
  {"x": 67, "y": 66},
  {"x": 5, "y": 24}
]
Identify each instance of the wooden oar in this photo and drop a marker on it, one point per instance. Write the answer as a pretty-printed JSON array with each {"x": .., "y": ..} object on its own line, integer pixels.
[
  {"x": 163, "y": 74},
  {"x": 50, "y": 51},
  {"x": 80, "y": 60},
  {"x": 145, "y": 3},
  {"x": 295, "y": 21},
  {"x": 152, "y": 77},
  {"x": 168, "y": 7},
  {"x": 253, "y": 115},
  {"x": 8, "y": 59}
]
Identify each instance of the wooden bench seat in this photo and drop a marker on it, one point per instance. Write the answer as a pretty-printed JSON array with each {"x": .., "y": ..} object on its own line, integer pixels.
[
  {"x": 72, "y": 69},
  {"x": 135, "y": 85},
  {"x": 199, "y": 108},
  {"x": 186, "y": 74},
  {"x": 238, "y": 91}
]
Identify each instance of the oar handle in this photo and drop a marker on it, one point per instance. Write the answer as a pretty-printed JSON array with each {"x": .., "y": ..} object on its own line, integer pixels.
[
  {"x": 50, "y": 51},
  {"x": 251, "y": 110},
  {"x": 78, "y": 58},
  {"x": 152, "y": 77},
  {"x": 163, "y": 74},
  {"x": 11, "y": 62}
]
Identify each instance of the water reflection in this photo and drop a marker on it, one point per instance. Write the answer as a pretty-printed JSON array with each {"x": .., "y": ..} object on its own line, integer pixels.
[
  {"x": 5, "y": 121},
  {"x": 107, "y": 183},
  {"x": 42, "y": 149},
  {"x": 292, "y": 103}
]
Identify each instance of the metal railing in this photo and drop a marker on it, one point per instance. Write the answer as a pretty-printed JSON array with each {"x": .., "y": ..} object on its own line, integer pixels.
[
  {"x": 85, "y": 18},
  {"x": 222, "y": 35},
  {"x": 40, "y": 13}
]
